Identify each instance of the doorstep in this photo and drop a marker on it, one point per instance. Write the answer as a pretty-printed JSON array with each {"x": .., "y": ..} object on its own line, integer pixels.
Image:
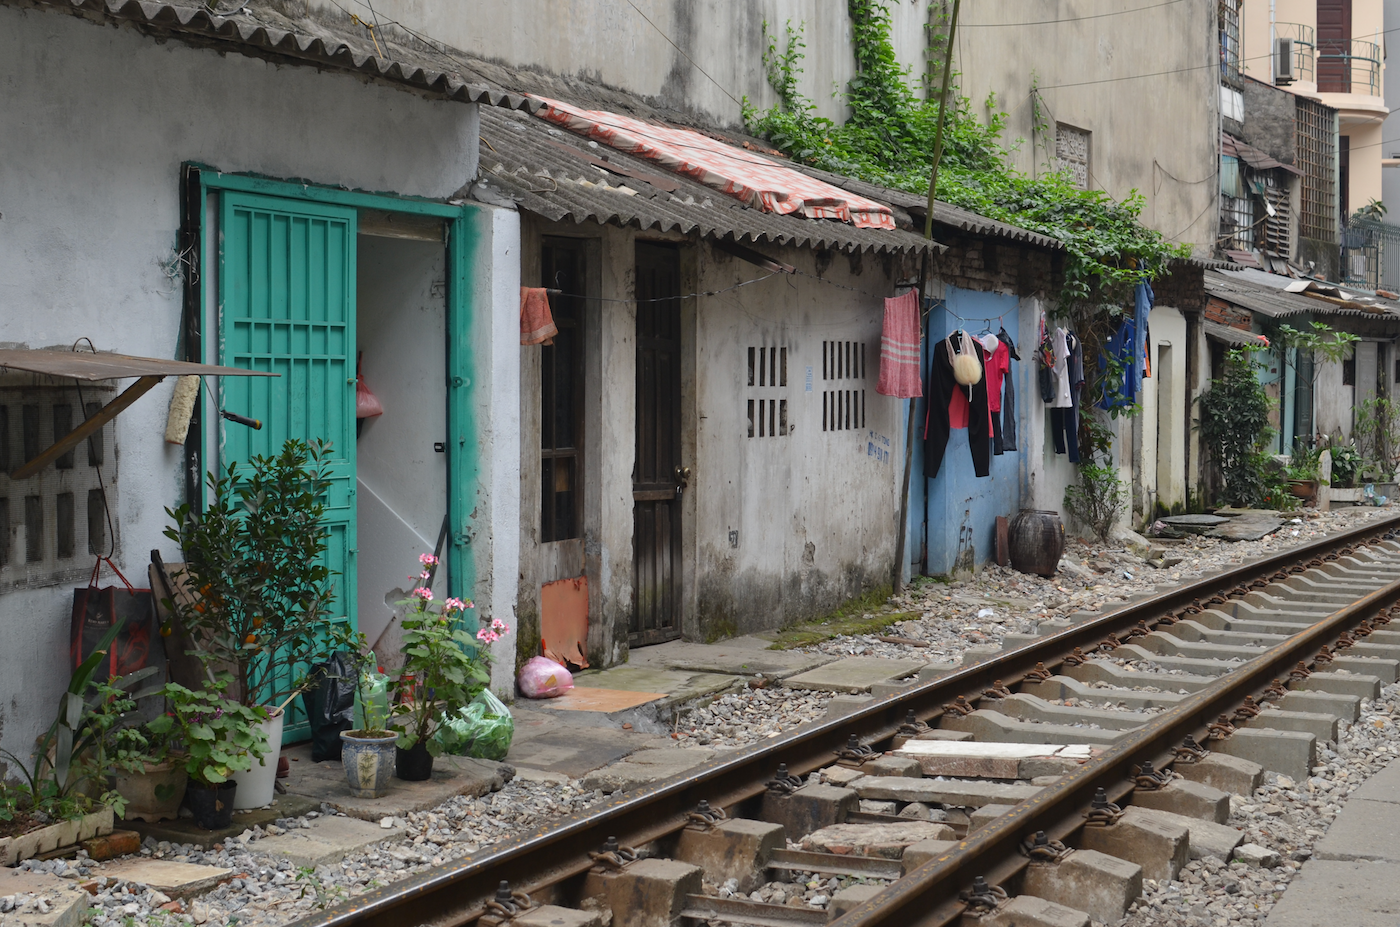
[
  {"x": 184, "y": 830},
  {"x": 643, "y": 695},
  {"x": 324, "y": 782}
]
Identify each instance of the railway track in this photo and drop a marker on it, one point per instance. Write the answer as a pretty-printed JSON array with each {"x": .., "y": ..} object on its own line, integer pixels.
[{"x": 1202, "y": 688}]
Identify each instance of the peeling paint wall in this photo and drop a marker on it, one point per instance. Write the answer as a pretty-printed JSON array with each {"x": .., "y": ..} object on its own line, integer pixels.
[
  {"x": 775, "y": 528},
  {"x": 95, "y": 125}
]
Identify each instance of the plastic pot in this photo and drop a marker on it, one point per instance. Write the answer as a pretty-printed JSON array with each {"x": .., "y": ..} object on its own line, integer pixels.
[
  {"x": 258, "y": 786},
  {"x": 368, "y": 762},
  {"x": 212, "y": 806},
  {"x": 414, "y": 764},
  {"x": 152, "y": 795}
]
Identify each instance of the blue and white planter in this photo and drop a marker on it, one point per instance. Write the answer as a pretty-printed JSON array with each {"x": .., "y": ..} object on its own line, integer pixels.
[{"x": 368, "y": 762}]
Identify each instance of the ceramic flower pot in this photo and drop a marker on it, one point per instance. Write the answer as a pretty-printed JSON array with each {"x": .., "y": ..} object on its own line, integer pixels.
[
  {"x": 154, "y": 794},
  {"x": 212, "y": 806},
  {"x": 368, "y": 762},
  {"x": 257, "y": 786},
  {"x": 414, "y": 764}
]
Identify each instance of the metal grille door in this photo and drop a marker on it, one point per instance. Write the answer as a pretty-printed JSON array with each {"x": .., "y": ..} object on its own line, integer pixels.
[
  {"x": 287, "y": 305},
  {"x": 656, "y": 478}
]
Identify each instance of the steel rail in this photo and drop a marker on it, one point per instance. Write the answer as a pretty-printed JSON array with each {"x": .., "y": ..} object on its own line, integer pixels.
[
  {"x": 923, "y": 896},
  {"x": 456, "y": 892}
]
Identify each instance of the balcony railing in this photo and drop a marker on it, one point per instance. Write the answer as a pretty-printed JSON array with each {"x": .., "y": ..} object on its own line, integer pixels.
[
  {"x": 1304, "y": 48},
  {"x": 1371, "y": 254},
  {"x": 1349, "y": 67}
]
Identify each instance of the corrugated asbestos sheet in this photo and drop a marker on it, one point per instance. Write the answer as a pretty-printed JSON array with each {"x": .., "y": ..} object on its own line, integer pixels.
[
  {"x": 1232, "y": 335},
  {"x": 943, "y": 213},
  {"x": 561, "y": 176},
  {"x": 260, "y": 29},
  {"x": 1245, "y": 289}
]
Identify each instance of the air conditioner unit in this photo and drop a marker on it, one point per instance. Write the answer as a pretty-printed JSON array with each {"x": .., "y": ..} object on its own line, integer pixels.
[{"x": 1283, "y": 61}]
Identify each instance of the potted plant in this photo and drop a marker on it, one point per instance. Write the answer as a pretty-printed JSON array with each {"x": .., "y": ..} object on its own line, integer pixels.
[
  {"x": 219, "y": 737},
  {"x": 367, "y": 753},
  {"x": 1304, "y": 471},
  {"x": 65, "y": 796},
  {"x": 148, "y": 775},
  {"x": 443, "y": 669},
  {"x": 253, "y": 591}
]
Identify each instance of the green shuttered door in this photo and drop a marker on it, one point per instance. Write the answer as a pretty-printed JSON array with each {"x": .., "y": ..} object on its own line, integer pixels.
[{"x": 287, "y": 305}]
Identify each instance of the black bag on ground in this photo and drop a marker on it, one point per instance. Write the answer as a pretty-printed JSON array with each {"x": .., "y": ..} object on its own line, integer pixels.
[{"x": 330, "y": 705}]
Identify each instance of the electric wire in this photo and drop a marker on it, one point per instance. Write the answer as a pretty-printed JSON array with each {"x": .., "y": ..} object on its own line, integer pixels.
[{"x": 1071, "y": 19}]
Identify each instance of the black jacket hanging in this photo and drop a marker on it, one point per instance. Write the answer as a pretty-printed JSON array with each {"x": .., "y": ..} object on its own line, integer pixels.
[{"x": 941, "y": 384}]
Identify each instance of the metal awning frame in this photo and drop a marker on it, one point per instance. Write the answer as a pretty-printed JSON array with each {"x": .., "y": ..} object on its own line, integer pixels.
[{"x": 93, "y": 367}]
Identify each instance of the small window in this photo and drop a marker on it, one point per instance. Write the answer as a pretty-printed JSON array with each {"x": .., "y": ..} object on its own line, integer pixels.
[
  {"x": 767, "y": 371},
  {"x": 843, "y": 409},
  {"x": 1072, "y": 153},
  {"x": 561, "y": 395},
  {"x": 1349, "y": 371}
]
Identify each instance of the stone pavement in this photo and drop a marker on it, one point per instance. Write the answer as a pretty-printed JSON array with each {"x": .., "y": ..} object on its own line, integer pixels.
[{"x": 1353, "y": 877}]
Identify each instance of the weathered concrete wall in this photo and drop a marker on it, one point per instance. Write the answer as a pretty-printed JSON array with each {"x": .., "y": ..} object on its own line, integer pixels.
[
  {"x": 1145, "y": 83},
  {"x": 94, "y": 128},
  {"x": 1270, "y": 120},
  {"x": 775, "y": 528},
  {"x": 631, "y": 48},
  {"x": 1390, "y": 129},
  {"x": 1334, "y": 402},
  {"x": 1160, "y": 461},
  {"x": 789, "y": 526}
]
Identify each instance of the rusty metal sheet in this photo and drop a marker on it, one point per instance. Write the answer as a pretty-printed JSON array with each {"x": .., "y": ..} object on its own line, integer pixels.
[
  {"x": 81, "y": 365},
  {"x": 564, "y": 620}
]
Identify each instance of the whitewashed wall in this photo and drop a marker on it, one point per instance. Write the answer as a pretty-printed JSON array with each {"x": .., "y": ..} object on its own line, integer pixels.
[{"x": 95, "y": 124}]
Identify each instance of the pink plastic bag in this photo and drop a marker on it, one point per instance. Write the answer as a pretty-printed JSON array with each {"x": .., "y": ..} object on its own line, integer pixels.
[{"x": 541, "y": 677}]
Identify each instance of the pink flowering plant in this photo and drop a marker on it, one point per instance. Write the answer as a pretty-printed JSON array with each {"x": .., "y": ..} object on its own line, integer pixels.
[{"x": 445, "y": 664}]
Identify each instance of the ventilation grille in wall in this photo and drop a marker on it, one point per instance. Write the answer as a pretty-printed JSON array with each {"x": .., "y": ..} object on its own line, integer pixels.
[
  {"x": 843, "y": 409},
  {"x": 768, "y": 378},
  {"x": 52, "y": 525}
]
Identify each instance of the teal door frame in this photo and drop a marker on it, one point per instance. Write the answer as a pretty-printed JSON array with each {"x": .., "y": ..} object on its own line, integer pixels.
[{"x": 463, "y": 451}]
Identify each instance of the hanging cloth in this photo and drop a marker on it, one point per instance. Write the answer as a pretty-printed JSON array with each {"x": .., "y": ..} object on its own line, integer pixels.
[
  {"x": 1008, "y": 398},
  {"x": 899, "y": 348},
  {"x": 536, "y": 321},
  {"x": 943, "y": 389}
]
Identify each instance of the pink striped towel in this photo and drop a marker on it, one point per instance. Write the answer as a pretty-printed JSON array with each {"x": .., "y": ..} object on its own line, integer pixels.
[{"x": 899, "y": 349}]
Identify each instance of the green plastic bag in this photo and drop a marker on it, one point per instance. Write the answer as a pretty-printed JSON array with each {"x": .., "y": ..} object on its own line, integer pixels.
[
  {"x": 483, "y": 729},
  {"x": 376, "y": 690}
]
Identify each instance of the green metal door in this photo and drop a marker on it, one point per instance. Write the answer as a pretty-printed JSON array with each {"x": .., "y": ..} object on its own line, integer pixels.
[{"x": 287, "y": 305}]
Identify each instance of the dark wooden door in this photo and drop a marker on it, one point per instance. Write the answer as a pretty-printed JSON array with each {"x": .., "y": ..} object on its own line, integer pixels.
[
  {"x": 656, "y": 480},
  {"x": 1333, "y": 46}
]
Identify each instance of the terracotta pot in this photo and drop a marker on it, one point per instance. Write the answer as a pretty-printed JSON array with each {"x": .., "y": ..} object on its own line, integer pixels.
[
  {"x": 152, "y": 795},
  {"x": 1037, "y": 541},
  {"x": 1304, "y": 489}
]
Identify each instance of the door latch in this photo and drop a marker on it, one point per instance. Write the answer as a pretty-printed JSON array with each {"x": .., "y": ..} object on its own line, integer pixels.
[{"x": 682, "y": 479}]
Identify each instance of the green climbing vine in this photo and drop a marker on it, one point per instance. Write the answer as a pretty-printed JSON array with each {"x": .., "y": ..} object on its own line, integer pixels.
[{"x": 888, "y": 140}]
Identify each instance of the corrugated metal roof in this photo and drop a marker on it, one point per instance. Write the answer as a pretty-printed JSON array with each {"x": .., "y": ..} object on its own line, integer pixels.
[
  {"x": 1254, "y": 157},
  {"x": 1233, "y": 335},
  {"x": 261, "y": 29},
  {"x": 560, "y": 176},
  {"x": 943, "y": 213},
  {"x": 1267, "y": 294}
]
